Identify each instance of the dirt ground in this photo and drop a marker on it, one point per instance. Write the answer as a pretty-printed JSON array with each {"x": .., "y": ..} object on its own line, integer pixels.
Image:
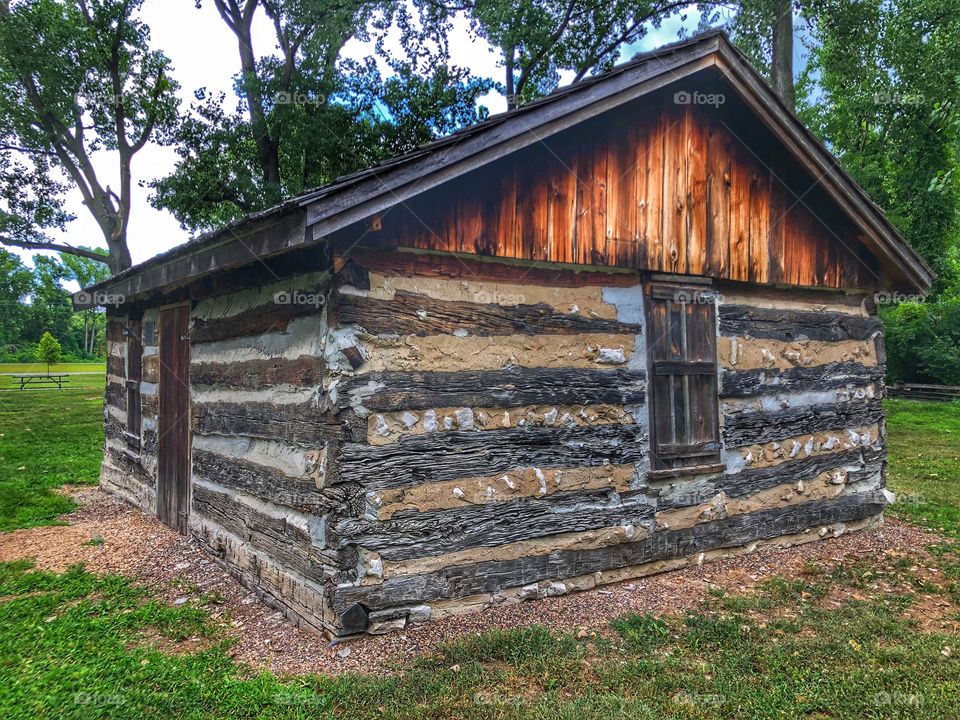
[{"x": 109, "y": 536}]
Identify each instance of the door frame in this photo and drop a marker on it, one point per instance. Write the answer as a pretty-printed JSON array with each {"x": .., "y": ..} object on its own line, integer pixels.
[{"x": 180, "y": 520}]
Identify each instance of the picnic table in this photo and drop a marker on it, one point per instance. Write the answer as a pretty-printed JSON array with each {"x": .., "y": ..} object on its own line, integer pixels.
[{"x": 41, "y": 380}]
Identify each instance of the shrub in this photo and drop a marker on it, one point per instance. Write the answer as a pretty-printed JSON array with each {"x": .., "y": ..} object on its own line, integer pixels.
[{"x": 923, "y": 342}]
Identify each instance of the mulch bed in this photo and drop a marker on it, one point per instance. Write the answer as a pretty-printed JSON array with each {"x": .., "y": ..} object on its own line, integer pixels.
[{"x": 128, "y": 542}]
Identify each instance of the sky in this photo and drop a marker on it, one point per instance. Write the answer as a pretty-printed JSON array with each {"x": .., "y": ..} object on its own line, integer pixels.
[{"x": 203, "y": 54}]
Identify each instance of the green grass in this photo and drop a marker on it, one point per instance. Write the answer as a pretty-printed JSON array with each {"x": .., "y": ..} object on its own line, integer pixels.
[
  {"x": 924, "y": 462},
  {"x": 80, "y": 646},
  {"x": 48, "y": 438}
]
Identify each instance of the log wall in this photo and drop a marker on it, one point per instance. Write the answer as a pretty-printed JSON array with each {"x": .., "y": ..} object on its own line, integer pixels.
[
  {"x": 498, "y": 447},
  {"x": 414, "y": 436},
  {"x": 259, "y": 442},
  {"x": 130, "y": 463}
]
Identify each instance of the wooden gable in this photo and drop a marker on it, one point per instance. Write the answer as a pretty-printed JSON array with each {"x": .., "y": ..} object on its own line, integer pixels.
[{"x": 653, "y": 185}]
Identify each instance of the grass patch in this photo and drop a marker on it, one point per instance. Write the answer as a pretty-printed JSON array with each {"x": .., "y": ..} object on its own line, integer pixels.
[
  {"x": 924, "y": 462},
  {"x": 76, "y": 645},
  {"x": 47, "y": 438}
]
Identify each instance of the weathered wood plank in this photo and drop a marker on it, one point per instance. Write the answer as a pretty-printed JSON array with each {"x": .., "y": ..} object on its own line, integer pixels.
[
  {"x": 510, "y": 387},
  {"x": 751, "y": 427},
  {"x": 766, "y": 381},
  {"x": 302, "y": 423},
  {"x": 252, "y": 374},
  {"x": 272, "y": 317},
  {"x": 788, "y": 325},
  {"x": 411, "y": 314},
  {"x": 116, "y": 396},
  {"x": 464, "y": 580},
  {"x": 447, "y": 456},
  {"x": 268, "y": 483},
  {"x": 290, "y": 546},
  {"x": 751, "y": 480},
  {"x": 410, "y": 534}
]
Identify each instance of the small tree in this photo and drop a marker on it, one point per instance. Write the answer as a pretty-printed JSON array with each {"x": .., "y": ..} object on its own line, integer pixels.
[{"x": 48, "y": 350}]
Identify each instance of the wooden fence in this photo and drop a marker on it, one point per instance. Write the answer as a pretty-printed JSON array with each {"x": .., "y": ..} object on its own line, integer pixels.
[{"x": 925, "y": 392}]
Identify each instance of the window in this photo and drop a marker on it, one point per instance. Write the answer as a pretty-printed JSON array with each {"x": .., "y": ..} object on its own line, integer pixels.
[
  {"x": 682, "y": 352},
  {"x": 134, "y": 372}
]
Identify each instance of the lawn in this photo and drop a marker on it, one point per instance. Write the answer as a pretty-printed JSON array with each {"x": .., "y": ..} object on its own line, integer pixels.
[
  {"x": 842, "y": 641},
  {"x": 48, "y": 437},
  {"x": 924, "y": 462}
]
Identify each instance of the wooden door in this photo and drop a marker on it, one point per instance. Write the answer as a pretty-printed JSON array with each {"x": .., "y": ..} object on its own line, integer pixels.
[{"x": 173, "y": 482}]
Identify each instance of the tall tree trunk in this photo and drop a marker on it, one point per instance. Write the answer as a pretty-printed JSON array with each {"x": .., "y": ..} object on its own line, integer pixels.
[{"x": 781, "y": 64}]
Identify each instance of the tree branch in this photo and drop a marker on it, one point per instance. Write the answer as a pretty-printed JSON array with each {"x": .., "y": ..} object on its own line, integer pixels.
[{"x": 59, "y": 247}]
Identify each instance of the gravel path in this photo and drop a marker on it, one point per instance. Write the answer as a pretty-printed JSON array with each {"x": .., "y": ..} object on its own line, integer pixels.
[{"x": 139, "y": 546}]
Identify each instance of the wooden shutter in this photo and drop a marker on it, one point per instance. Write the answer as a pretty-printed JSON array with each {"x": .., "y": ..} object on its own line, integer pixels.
[
  {"x": 134, "y": 375},
  {"x": 682, "y": 350}
]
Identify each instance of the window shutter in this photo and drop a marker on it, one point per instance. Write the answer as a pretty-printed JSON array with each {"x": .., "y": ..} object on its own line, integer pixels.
[{"x": 682, "y": 348}]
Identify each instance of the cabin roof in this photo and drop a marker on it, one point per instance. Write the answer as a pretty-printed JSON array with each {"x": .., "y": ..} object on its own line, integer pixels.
[{"x": 312, "y": 216}]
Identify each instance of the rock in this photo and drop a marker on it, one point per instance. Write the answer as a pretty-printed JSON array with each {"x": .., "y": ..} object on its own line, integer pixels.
[
  {"x": 529, "y": 592},
  {"x": 418, "y": 614},
  {"x": 465, "y": 419},
  {"x": 611, "y": 356},
  {"x": 181, "y": 601},
  {"x": 555, "y": 588},
  {"x": 409, "y": 419},
  {"x": 430, "y": 420},
  {"x": 343, "y": 652},
  {"x": 384, "y": 626}
]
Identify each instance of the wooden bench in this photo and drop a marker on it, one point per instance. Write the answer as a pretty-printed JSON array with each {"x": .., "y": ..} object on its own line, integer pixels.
[{"x": 34, "y": 380}]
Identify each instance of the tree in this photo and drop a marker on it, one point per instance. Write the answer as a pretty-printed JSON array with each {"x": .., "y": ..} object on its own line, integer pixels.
[
  {"x": 76, "y": 77},
  {"x": 764, "y": 30},
  {"x": 886, "y": 78},
  {"x": 306, "y": 117},
  {"x": 537, "y": 39},
  {"x": 48, "y": 350},
  {"x": 16, "y": 283},
  {"x": 87, "y": 272}
]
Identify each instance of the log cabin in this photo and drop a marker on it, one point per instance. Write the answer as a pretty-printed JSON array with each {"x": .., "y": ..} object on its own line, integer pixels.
[{"x": 623, "y": 328}]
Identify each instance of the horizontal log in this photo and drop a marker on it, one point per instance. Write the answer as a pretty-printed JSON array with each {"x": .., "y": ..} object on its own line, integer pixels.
[
  {"x": 789, "y": 325},
  {"x": 447, "y": 456},
  {"x": 413, "y": 314},
  {"x": 116, "y": 366},
  {"x": 751, "y": 480},
  {"x": 302, "y": 423},
  {"x": 115, "y": 330},
  {"x": 507, "y": 388},
  {"x": 766, "y": 381},
  {"x": 272, "y": 317},
  {"x": 736, "y": 531},
  {"x": 290, "y": 546},
  {"x": 267, "y": 483},
  {"x": 749, "y": 427},
  {"x": 411, "y": 534},
  {"x": 116, "y": 396},
  {"x": 130, "y": 467},
  {"x": 253, "y": 374}
]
